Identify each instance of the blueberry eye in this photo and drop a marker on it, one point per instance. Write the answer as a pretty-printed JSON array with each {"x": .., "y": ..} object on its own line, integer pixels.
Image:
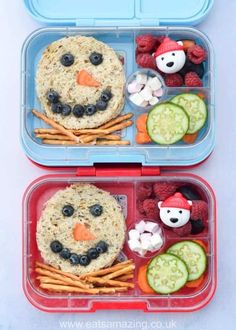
[
  {"x": 180, "y": 212},
  {"x": 96, "y": 210},
  {"x": 67, "y": 59},
  {"x": 67, "y": 210},
  {"x": 168, "y": 211},
  {"x": 96, "y": 58},
  {"x": 173, "y": 54}
]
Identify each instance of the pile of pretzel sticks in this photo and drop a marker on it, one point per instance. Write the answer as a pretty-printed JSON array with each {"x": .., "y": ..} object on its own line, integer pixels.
[
  {"x": 109, "y": 280},
  {"x": 103, "y": 135}
]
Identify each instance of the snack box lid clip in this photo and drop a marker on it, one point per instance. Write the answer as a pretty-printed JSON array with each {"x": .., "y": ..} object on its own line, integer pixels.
[{"x": 119, "y": 13}]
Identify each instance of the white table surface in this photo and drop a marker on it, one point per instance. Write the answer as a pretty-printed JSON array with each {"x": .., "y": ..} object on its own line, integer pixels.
[{"x": 17, "y": 172}]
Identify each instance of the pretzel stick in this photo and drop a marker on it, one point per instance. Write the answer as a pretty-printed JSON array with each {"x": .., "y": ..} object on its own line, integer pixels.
[
  {"x": 50, "y": 131},
  {"x": 112, "y": 129},
  {"x": 115, "y": 143},
  {"x": 107, "y": 270},
  {"x": 99, "y": 280},
  {"x": 70, "y": 143},
  {"x": 119, "y": 272},
  {"x": 49, "y": 280},
  {"x": 55, "y": 125},
  {"x": 117, "y": 120},
  {"x": 71, "y": 289},
  {"x": 54, "y": 137},
  {"x": 112, "y": 137},
  {"x": 60, "y": 142},
  {"x": 125, "y": 277},
  {"x": 58, "y": 271}
]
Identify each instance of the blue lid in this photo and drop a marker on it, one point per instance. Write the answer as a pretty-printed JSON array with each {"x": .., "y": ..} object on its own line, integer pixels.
[{"x": 119, "y": 13}]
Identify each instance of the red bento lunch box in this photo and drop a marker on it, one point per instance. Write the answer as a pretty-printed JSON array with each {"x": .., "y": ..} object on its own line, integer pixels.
[{"x": 146, "y": 165}]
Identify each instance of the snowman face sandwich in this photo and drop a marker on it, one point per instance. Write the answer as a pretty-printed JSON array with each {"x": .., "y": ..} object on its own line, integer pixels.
[
  {"x": 81, "y": 229},
  {"x": 170, "y": 56},
  {"x": 80, "y": 82}
]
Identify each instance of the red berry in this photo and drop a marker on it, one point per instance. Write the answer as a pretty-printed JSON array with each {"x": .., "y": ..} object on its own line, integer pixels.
[
  {"x": 163, "y": 190},
  {"x": 192, "y": 80},
  {"x": 140, "y": 207},
  {"x": 184, "y": 230},
  {"x": 199, "y": 210},
  {"x": 196, "y": 54},
  {"x": 151, "y": 208},
  {"x": 174, "y": 80},
  {"x": 144, "y": 190},
  {"x": 145, "y": 43},
  {"x": 145, "y": 60}
]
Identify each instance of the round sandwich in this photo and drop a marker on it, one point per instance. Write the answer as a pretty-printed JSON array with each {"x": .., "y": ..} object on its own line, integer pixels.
[
  {"x": 80, "y": 82},
  {"x": 81, "y": 229}
]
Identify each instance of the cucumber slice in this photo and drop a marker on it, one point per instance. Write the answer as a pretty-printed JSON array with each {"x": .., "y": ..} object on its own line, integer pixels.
[
  {"x": 167, "y": 123},
  {"x": 196, "y": 109},
  {"x": 193, "y": 255},
  {"x": 167, "y": 273}
]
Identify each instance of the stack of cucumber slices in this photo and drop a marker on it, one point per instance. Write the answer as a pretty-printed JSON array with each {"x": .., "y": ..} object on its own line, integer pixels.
[
  {"x": 168, "y": 122},
  {"x": 169, "y": 272}
]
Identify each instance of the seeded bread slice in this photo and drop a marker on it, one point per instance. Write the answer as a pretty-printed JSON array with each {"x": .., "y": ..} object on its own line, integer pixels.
[
  {"x": 108, "y": 227},
  {"x": 52, "y": 75}
]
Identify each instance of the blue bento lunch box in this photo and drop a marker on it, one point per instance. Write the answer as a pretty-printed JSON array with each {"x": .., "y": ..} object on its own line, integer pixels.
[{"x": 116, "y": 23}]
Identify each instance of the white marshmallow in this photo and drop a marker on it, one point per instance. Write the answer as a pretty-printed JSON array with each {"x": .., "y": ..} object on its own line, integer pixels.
[
  {"x": 140, "y": 227},
  {"x": 135, "y": 245},
  {"x": 156, "y": 241},
  {"x": 158, "y": 93},
  {"x": 137, "y": 99},
  {"x": 154, "y": 100},
  {"x": 145, "y": 236},
  {"x": 146, "y": 245},
  {"x": 141, "y": 78},
  {"x": 154, "y": 83},
  {"x": 146, "y": 93},
  {"x": 144, "y": 104},
  {"x": 134, "y": 87},
  {"x": 151, "y": 227},
  {"x": 134, "y": 234}
]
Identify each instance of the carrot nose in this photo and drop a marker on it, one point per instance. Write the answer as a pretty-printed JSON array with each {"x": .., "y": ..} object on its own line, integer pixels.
[
  {"x": 85, "y": 79},
  {"x": 81, "y": 233}
]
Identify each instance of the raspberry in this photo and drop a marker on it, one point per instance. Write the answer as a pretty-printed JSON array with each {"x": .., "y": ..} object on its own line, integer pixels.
[
  {"x": 163, "y": 190},
  {"x": 199, "y": 211},
  {"x": 151, "y": 208},
  {"x": 145, "y": 43},
  {"x": 184, "y": 230},
  {"x": 192, "y": 80},
  {"x": 197, "y": 54},
  {"x": 145, "y": 60},
  {"x": 140, "y": 207},
  {"x": 144, "y": 190},
  {"x": 174, "y": 80}
]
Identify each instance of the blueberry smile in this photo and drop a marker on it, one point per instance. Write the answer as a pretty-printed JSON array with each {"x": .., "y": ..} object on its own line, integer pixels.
[{"x": 78, "y": 110}]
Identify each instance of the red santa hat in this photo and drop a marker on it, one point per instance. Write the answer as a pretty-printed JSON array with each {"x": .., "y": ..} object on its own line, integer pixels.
[
  {"x": 177, "y": 201},
  {"x": 166, "y": 46}
]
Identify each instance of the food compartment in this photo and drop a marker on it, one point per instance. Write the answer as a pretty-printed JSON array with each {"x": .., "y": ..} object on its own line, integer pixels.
[
  {"x": 128, "y": 191},
  {"x": 124, "y": 144}
]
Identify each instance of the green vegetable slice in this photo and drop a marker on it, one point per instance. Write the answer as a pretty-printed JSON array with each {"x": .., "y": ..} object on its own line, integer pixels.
[
  {"x": 196, "y": 109},
  {"x": 167, "y": 123},
  {"x": 193, "y": 255},
  {"x": 167, "y": 273}
]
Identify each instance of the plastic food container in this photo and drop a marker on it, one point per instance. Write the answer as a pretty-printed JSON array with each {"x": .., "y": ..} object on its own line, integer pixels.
[{"x": 117, "y": 24}]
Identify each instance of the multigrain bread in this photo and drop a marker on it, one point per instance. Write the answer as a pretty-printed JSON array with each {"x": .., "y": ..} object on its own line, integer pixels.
[
  {"x": 52, "y": 75},
  {"x": 108, "y": 227}
]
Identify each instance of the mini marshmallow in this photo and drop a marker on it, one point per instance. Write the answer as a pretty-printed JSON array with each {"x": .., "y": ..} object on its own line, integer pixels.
[
  {"x": 154, "y": 83},
  {"x": 154, "y": 100},
  {"x": 135, "y": 245},
  {"x": 151, "y": 227},
  {"x": 140, "y": 227},
  {"x": 156, "y": 241},
  {"x": 158, "y": 93},
  {"x": 141, "y": 78},
  {"x": 144, "y": 104},
  {"x": 146, "y": 93},
  {"x": 134, "y": 87},
  {"x": 137, "y": 99},
  {"x": 145, "y": 236},
  {"x": 134, "y": 234},
  {"x": 146, "y": 245}
]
